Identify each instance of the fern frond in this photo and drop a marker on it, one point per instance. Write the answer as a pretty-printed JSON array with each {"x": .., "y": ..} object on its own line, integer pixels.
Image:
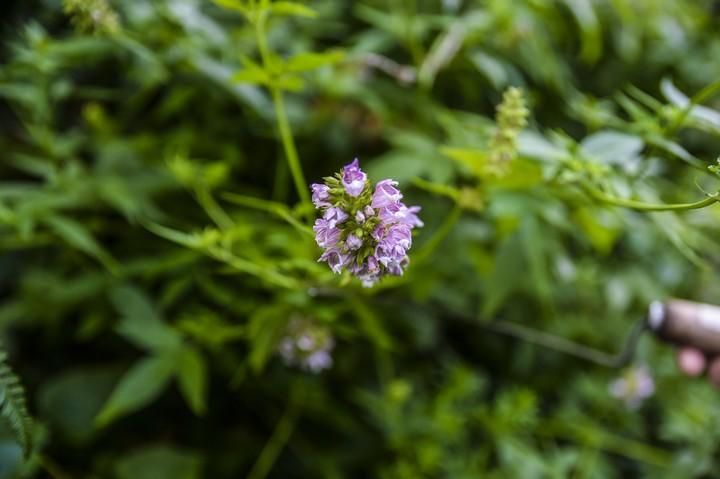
[{"x": 13, "y": 405}]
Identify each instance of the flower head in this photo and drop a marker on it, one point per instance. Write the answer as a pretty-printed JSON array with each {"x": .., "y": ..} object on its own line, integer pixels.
[
  {"x": 365, "y": 231},
  {"x": 633, "y": 387},
  {"x": 306, "y": 345}
]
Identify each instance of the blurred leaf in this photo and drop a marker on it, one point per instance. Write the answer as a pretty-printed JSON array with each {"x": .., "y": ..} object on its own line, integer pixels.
[
  {"x": 292, "y": 9},
  {"x": 612, "y": 147},
  {"x": 159, "y": 462},
  {"x": 140, "y": 385},
  {"x": 591, "y": 33},
  {"x": 77, "y": 236},
  {"x": 140, "y": 322},
  {"x": 192, "y": 374},
  {"x": 698, "y": 112},
  {"x": 265, "y": 328},
  {"x": 310, "y": 61},
  {"x": 71, "y": 400}
]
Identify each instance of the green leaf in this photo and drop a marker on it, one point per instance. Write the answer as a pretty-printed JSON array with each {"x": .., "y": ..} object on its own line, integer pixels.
[
  {"x": 523, "y": 174},
  {"x": 13, "y": 406},
  {"x": 509, "y": 266},
  {"x": 159, "y": 462},
  {"x": 264, "y": 330},
  {"x": 234, "y": 5},
  {"x": 252, "y": 75},
  {"x": 591, "y": 33},
  {"x": 309, "y": 61},
  {"x": 371, "y": 324},
  {"x": 140, "y": 322},
  {"x": 76, "y": 235},
  {"x": 144, "y": 382},
  {"x": 71, "y": 400},
  {"x": 601, "y": 229},
  {"x": 292, "y": 83},
  {"x": 612, "y": 147},
  {"x": 292, "y": 9},
  {"x": 471, "y": 158},
  {"x": 130, "y": 302},
  {"x": 192, "y": 374}
]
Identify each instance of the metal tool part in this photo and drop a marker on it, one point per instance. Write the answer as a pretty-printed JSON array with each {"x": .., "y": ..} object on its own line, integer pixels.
[{"x": 686, "y": 323}]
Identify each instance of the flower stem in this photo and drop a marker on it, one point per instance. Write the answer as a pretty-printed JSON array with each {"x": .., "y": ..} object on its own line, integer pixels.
[
  {"x": 281, "y": 118},
  {"x": 432, "y": 244},
  {"x": 279, "y": 438},
  {"x": 213, "y": 209},
  {"x": 289, "y": 146},
  {"x": 641, "y": 206}
]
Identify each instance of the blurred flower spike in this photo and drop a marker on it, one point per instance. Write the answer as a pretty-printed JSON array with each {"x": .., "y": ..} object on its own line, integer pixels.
[
  {"x": 92, "y": 16},
  {"x": 366, "y": 231},
  {"x": 633, "y": 387},
  {"x": 306, "y": 345}
]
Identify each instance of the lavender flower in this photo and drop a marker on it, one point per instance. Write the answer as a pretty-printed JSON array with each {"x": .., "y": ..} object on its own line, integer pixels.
[
  {"x": 306, "y": 345},
  {"x": 320, "y": 194},
  {"x": 363, "y": 230},
  {"x": 353, "y": 178},
  {"x": 633, "y": 387}
]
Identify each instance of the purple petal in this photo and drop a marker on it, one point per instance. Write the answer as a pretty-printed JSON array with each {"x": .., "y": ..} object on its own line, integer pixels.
[
  {"x": 386, "y": 194},
  {"x": 354, "y": 179},
  {"x": 320, "y": 195}
]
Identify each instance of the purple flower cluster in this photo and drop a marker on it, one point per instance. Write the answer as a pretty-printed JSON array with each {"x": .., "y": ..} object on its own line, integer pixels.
[
  {"x": 363, "y": 230},
  {"x": 633, "y": 387},
  {"x": 306, "y": 345}
]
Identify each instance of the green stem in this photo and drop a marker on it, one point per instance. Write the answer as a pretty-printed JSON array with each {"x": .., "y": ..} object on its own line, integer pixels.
[
  {"x": 641, "y": 206},
  {"x": 278, "y": 209},
  {"x": 279, "y": 438},
  {"x": 439, "y": 236},
  {"x": 213, "y": 209},
  {"x": 598, "y": 439},
  {"x": 51, "y": 468},
  {"x": 280, "y": 113},
  {"x": 289, "y": 146}
]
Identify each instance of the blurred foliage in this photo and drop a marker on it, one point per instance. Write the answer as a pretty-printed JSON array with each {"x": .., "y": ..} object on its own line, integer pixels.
[{"x": 154, "y": 228}]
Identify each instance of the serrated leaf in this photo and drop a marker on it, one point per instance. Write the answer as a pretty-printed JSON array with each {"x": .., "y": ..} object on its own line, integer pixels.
[
  {"x": 144, "y": 382},
  {"x": 13, "y": 406},
  {"x": 292, "y": 9},
  {"x": 192, "y": 375}
]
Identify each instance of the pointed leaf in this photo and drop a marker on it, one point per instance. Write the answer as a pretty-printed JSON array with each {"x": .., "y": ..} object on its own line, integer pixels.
[
  {"x": 144, "y": 382},
  {"x": 192, "y": 374}
]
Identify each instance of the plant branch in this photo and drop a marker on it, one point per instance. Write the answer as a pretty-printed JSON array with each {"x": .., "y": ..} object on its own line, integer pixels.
[
  {"x": 279, "y": 438},
  {"x": 281, "y": 118},
  {"x": 642, "y": 206}
]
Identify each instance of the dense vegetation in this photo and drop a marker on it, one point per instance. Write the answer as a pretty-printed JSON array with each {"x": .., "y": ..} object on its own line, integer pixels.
[{"x": 157, "y": 256}]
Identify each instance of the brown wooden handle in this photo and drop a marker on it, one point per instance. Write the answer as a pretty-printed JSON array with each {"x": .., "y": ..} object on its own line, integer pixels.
[{"x": 687, "y": 323}]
